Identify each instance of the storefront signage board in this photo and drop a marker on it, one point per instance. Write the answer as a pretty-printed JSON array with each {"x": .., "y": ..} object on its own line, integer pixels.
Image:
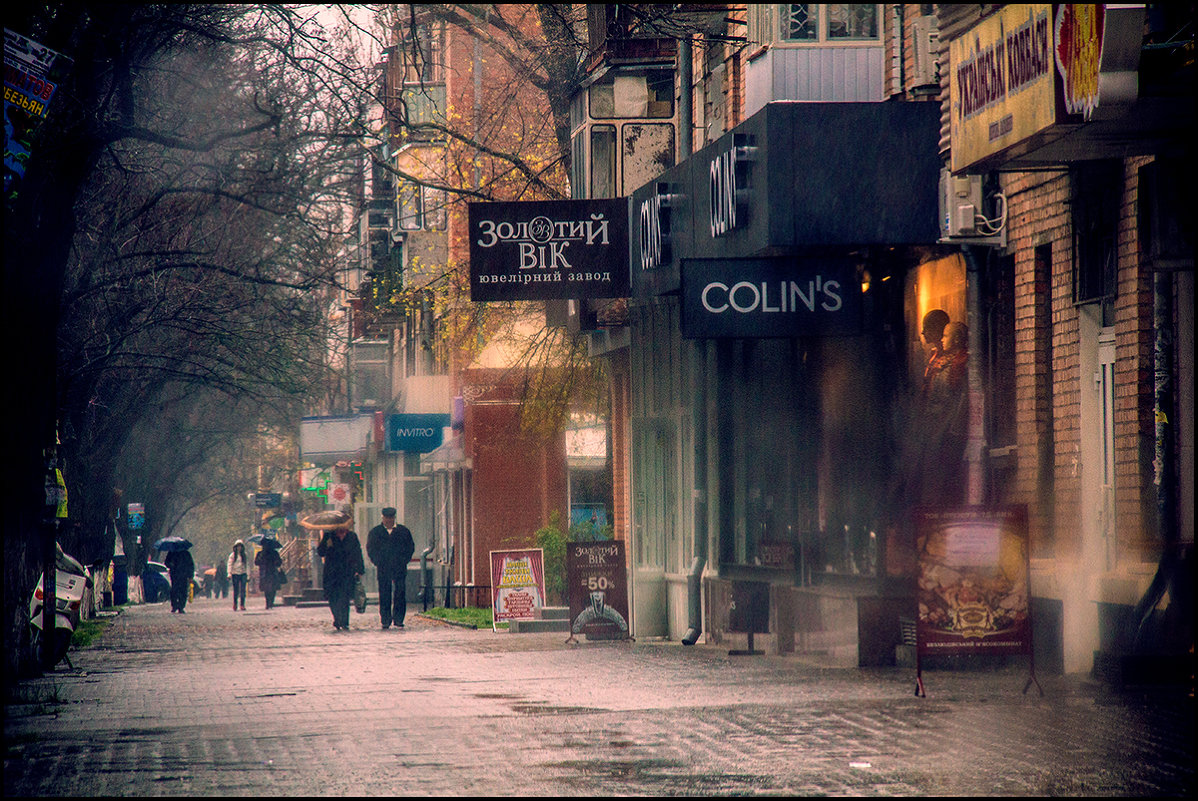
[
  {"x": 1021, "y": 78},
  {"x": 538, "y": 250},
  {"x": 782, "y": 181},
  {"x": 517, "y": 584},
  {"x": 783, "y": 297},
  {"x": 973, "y": 586},
  {"x": 597, "y": 586},
  {"x": 416, "y": 433}
]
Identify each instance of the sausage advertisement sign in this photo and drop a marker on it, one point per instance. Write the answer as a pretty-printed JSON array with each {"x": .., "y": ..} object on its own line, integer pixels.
[{"x": 973, "y": 580}]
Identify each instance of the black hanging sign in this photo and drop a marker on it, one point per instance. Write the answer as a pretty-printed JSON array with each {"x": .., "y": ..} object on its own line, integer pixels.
[{"x": 537, "y": 250}]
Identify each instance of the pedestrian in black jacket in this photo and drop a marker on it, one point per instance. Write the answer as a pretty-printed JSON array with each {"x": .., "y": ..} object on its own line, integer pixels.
[
  {"x": 182, "y": 568},
  {"x": 343, "y": 565},
  {"x": 390, "y": 548}
]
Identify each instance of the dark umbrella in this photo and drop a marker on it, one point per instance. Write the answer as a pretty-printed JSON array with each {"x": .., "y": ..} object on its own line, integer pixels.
[
  {"x": 326, "y": 521},
  {"x": 172, "y": 543},
  {"x": 266, "y": 541}
]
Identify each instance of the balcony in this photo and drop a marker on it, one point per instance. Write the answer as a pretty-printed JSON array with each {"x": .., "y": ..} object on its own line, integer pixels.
[{"x": 427, "y": 394}]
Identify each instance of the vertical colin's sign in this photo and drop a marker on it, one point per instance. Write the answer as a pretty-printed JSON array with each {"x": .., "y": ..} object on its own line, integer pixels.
[{"x": 536, "y": 250}]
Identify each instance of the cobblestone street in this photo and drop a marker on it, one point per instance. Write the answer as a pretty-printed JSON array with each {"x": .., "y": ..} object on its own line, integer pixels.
[{"x": 276, "y": 703}]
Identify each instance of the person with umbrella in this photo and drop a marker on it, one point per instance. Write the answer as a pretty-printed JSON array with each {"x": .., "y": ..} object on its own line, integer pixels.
[
  {"x": 182, "y": 568},
  {"x": 343, "y": 563},
  {"x": 237, "y": 566},
  {"x": 269, "y": 562},
  {"x": 390, "y": 547}
]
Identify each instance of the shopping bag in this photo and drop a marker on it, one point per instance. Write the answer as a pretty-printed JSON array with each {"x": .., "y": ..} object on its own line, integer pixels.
[{"x": 359, "y": 595}]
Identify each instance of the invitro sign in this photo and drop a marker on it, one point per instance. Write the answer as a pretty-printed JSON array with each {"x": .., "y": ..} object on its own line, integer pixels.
[{"x": 416, "y": 433}]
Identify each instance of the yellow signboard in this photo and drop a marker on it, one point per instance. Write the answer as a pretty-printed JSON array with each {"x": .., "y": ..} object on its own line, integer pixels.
[{"x": 1002, "y": 85}]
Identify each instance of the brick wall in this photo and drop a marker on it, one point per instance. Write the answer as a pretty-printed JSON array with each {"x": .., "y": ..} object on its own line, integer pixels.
[{"x": 1047, "y": 364}]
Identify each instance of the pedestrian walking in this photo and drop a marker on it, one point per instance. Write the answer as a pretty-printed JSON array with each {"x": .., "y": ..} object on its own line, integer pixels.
[
  {"x": 268, "y": 562},
  {"x": 222, "y": 580},
  {"x": 343, "y": 564},
  {"x": 238, "y": 568},
  {"x": 182, "y": 568},
  {"x": 390, "y": 547}
]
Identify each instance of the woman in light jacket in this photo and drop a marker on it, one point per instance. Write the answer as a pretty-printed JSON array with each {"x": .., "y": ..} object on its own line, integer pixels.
[{"x": 239, "y": 568}]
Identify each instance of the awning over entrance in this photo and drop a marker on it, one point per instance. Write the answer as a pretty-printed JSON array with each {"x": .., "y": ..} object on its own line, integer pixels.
[
  {"x": 792, "y": 178},
  {"x": 446, "y": 458}
]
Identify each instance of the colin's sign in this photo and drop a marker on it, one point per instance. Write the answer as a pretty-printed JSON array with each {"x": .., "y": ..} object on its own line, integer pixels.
[
  {"x": 748, "y": 298},
  {"x": 536, "y": 250}
]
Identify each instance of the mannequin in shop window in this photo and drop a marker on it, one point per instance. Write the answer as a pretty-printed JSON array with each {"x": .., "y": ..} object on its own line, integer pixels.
[{"x": 943, "y": 421}]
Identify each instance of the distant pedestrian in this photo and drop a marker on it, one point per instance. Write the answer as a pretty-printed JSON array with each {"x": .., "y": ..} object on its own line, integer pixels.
[
  {"x": 343, "y": 565},
  {"x": 390, "y": 548},
  {"x": 238, "y": 567},
  {"x": 182, "y": 568},
  {"x": 268, "y": 562},
  {"x": 222, "y": 580}
]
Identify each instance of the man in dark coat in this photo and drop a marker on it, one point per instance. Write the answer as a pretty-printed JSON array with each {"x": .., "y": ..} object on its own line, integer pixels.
[
  {"x": 182, "y": 568},
  {"x": 389, "y": 545},
  {"x": 343, "y": 564}
]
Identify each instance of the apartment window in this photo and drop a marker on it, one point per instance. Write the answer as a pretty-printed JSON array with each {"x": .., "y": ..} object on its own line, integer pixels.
[
  {"x": 1096, "y": 196},
  {"x": 419, "y": 53},
  {"x": 814, "y": 23},
  {"x": 411, "y": 207},
  {"x": 421, "y": 208}
]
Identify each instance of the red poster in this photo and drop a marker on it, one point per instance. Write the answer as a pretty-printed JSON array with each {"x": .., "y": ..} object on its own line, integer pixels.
[
  {"x": 973, "y": 580},
  {"x": 598, "y": 589},
  {"x": 517, "y": 584}
]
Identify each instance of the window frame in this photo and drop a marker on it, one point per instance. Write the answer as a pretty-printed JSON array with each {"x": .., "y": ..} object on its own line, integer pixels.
[{"x": 765, "y": 26}]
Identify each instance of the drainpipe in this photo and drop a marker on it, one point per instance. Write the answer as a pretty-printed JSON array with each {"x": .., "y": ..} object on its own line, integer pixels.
[
  {"x": 698, "y": 383},
  {"x": 976, "y": 443},
  {"x": 699, "y": 492}
]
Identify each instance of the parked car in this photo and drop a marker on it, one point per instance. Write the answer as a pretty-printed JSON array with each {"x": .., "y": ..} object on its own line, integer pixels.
[{"x": 156, "y": 581}]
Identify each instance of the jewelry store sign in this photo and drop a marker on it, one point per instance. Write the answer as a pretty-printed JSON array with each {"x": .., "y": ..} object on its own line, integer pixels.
[{"x": 539, "y": 250}]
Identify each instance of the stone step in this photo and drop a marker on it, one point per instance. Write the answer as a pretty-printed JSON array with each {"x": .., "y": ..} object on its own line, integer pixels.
[
  {"x": 554, "y": 613},
  {"x": 534, "y": 626}
]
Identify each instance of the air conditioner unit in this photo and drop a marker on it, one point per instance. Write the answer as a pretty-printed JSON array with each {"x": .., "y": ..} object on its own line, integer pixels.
[
  {"x": 925, "y": 35},
  {"x": 960, "y": 204}
]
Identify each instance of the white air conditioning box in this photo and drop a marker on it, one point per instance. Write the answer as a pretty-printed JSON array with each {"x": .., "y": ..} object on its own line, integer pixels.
[{"x": 960, "y": 203}]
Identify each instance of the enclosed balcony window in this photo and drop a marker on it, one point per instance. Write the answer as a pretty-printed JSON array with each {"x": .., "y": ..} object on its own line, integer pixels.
[
  {"x": 814, "y": 23},
  {"x": 603, "y": 161},
  {"x": 852, "y": 21},
  {"x": 623, "y": 96}
]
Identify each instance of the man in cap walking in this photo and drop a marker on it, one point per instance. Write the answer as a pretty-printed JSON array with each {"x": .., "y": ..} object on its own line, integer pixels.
[{"x": 390, "y": 547}]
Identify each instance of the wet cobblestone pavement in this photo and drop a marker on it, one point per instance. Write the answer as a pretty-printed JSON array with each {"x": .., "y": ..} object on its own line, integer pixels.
[{"x": 276, "y": 703}]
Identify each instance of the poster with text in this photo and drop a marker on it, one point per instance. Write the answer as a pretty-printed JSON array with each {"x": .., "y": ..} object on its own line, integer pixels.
[
  {"x": 973, "y": 580},
  {"x": 598, "y": 589},
  {"x": 517, "y": 584}
]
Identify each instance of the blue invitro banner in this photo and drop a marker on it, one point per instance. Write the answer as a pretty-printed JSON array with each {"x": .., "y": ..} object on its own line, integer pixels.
[{"x": 415, "y": 433}]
